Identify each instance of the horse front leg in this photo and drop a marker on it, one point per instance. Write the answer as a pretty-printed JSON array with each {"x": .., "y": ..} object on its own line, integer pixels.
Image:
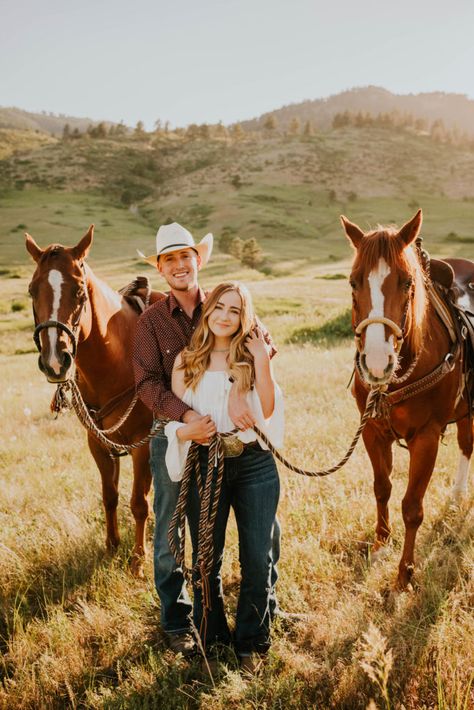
[
  {"x": 465, "y": 443},
  {"x": 379, "y": 448},
  {"x": 423, "y": 449},
  {"x": 109, "y": 471},
  {"x": 139, "y": 506}
]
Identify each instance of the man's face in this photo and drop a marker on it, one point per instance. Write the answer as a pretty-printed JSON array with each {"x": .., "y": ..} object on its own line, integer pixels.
[{"x": 180, "y": 269}]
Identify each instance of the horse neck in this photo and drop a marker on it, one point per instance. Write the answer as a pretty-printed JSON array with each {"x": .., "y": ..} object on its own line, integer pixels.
[
  {"x": 433, "y": 344},
  {"x": 105, "y": 339}
]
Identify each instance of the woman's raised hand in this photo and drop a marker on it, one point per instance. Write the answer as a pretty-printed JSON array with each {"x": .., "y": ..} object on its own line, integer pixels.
[{"x": 255, "y": 343}]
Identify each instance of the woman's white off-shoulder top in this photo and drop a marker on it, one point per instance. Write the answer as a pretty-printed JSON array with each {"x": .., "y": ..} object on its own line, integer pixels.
[{"x": 211, "y": 397}]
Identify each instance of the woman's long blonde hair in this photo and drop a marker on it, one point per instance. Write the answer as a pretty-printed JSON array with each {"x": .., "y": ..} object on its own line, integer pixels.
[{"x": 195, "y": 359}]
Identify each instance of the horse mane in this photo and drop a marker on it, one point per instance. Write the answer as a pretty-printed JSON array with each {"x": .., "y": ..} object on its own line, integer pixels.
[{"x": 382, "y": 243}]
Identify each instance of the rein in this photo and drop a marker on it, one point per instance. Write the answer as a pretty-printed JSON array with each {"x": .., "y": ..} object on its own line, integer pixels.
[{"x": 209, "y": 493}]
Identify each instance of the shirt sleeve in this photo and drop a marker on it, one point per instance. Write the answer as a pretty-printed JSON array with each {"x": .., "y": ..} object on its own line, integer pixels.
[
  {"x": 150, "y": 377},
  {"x": 176, "y": 452},
  {"x": 274, "y": 426}
]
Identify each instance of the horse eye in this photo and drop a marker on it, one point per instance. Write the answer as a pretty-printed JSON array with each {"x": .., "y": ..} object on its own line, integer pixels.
[
  {"x": 407, "y": 284},
  {"x": 353, "y": 284}
]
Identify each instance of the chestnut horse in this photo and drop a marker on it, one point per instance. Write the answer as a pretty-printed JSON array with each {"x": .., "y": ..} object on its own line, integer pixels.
[
  {"x": 401, "y": 340},
  {"x": 84, "y": 326}
]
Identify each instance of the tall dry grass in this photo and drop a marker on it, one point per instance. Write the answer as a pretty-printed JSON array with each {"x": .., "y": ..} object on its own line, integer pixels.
[{"x": 76, "y": 630}]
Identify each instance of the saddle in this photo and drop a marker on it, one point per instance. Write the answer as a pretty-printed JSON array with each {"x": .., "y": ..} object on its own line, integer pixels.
[
  {"x": 139, "y": 295},
  {"x": 451, "y": 289}
]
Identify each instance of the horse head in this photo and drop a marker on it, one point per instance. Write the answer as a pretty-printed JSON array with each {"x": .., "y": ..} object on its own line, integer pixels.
[
  {"x": 59, "y": 293},
  {"x": 388, "y": 296}
]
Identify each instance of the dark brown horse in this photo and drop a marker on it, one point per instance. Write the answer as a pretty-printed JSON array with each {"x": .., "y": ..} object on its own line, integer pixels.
[
  {"x": 84, "y": 325},
  {"x": 402, "y": 341}
]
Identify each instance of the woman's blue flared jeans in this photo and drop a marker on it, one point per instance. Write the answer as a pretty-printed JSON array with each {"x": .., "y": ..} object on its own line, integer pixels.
[{"x": 251, "y": 487}]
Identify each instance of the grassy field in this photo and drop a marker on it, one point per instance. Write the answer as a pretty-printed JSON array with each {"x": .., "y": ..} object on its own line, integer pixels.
[{"x": 77, "y": 631}]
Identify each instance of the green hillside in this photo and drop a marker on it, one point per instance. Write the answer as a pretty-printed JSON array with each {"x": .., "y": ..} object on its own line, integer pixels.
[{"x": 287, "y": 192}]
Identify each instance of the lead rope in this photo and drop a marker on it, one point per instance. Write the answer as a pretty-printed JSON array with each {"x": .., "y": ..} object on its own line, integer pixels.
[{"x": 198, "y": 575}]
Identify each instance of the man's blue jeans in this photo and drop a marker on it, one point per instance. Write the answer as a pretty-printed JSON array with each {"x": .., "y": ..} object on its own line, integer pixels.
[
  {"x": 176, "y": 607},
  {"x": 251, "y": 487}
]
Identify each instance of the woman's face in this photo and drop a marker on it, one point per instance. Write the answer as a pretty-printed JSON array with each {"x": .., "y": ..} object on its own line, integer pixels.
[{"x": 224, "y": 321}]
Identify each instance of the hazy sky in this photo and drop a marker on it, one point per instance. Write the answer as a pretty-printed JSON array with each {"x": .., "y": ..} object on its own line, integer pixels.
[{"x": 196, "y": 61}]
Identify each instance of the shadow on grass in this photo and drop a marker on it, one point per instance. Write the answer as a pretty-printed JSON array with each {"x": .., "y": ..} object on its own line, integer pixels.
[
  {"x": 47, "y": 583},
  {"x": 441, "y": 553}
]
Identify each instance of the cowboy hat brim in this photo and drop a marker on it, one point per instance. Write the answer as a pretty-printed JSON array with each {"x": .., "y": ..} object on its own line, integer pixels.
[{"x": 204, "y": 249}]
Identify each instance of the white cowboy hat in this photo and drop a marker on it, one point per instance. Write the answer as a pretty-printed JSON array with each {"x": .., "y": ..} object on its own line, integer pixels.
[{"x": 173, "y": 237}]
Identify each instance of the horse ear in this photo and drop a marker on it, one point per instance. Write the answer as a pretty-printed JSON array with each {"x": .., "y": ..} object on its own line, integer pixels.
[
  {"x": 409, "y": 232},
  {"x": 81, "y": 250},
  {"x": 33, "y": 248},
  {"x": 353, "y": 232}
]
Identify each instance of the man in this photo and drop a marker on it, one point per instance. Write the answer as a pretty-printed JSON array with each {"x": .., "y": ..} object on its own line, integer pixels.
[{"x": 163, "y": 331}]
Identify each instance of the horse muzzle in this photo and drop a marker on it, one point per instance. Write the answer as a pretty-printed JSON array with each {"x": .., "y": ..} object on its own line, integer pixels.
[
  {"x": 375, "y": 375},
  {"x": 62, "y": 371}
]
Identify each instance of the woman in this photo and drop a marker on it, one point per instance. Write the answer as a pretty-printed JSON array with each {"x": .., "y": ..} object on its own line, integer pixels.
[{"x": 228, "y": 346}]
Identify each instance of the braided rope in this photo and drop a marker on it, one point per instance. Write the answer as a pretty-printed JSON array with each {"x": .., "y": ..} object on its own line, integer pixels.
[
  {"x": 371, "y": 403},
  {"x": 122, "y": 419},
  {"x": 209, "y": 494},
  {"x": 403, "y": 378},
  {"x": 86, "y": 420}
]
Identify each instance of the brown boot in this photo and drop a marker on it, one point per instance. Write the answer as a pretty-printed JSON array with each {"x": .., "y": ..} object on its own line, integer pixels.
[
  {"x": 183, "y": 643},
  {"x": 251, "y": 665}
]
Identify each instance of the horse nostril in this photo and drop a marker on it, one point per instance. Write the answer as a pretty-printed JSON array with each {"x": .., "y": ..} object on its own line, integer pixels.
[{"x": 66, "y": 360}]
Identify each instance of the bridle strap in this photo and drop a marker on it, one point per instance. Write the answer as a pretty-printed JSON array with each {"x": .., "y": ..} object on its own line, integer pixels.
[
  {"x": 397, "y": 331},
  {"x": 60, "y": 326}
]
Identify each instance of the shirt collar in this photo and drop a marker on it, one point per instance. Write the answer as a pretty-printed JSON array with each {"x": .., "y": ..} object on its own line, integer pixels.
[{"x": 173, "y": 303}]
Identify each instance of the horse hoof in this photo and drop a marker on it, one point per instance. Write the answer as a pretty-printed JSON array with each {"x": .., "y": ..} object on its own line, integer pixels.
[
  {"x": 405, "y": 582},
  {"x": 112, "y": 547},
  {"x": 137, "y": 566}
]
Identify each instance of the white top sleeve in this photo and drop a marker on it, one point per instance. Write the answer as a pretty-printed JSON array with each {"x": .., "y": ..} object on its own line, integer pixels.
[
  {"x": 176, "y": 452},
  {"x": 212, "y": 397}
]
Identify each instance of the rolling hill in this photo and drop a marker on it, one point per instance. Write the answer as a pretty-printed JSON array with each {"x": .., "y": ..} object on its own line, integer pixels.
[{"x": 285, "y": 191}]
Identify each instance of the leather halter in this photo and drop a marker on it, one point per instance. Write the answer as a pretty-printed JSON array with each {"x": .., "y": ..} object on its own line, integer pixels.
[
  {"x": 70, "y": 332},
  {"x": 397, "y": 331}
]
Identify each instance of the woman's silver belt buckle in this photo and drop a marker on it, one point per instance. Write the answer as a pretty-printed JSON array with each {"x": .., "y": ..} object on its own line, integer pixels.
[{"x": 232, "y": 446}]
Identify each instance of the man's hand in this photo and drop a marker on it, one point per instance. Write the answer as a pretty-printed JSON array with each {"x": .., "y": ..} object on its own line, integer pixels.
[
  {"x": 239, "y": 410},
  {"x": 199, "y": 430}
]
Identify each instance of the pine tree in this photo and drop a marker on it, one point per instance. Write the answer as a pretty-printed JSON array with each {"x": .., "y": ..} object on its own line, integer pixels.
[
  {"x": 237, "y": 132},
  {"x": 252, "y": 254},
  {"x": 295, "y": 126},
  {"x": 236, "y": 247},
  {"x": 139, "y": 129},
  {"x": 270, "y": 123},
  {"x": 66, "y": 132},
  {"x": 308, "y": 129}
]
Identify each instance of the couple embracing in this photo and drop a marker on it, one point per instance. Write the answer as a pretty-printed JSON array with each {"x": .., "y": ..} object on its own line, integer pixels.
[{"x": 203, "y": 362}]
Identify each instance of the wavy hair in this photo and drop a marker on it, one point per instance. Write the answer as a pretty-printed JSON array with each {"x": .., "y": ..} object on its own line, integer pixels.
[{"x": 195, "y": 359}]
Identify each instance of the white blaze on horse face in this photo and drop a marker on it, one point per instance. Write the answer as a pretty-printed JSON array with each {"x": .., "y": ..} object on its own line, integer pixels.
[
  {"x": 55, "y": 279},
  {"x": 377, "y": 350}
]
